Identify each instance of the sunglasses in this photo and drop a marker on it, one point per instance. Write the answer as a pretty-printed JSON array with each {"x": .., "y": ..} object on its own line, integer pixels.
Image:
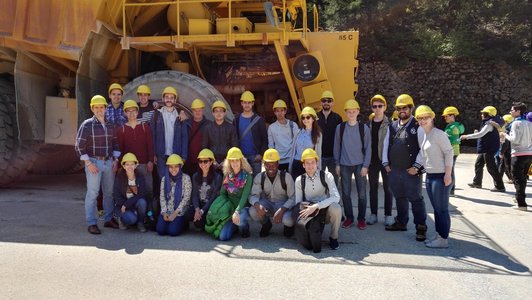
[
  {"x": 306, "y": 118},
  {"x": 326, "y": 101},
  {"x": 378, "y": 106},
  {"x": 204, "y": 161},
  {"x": 402, "y": 108}
]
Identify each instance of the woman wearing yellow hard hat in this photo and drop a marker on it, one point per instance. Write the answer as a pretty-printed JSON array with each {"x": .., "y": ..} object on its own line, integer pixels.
[
  {"x": 229, "y": 209},
  {"x": 176, "y": 189},
  {"x": 453, "y": 129},
  {"x": 437, "y": 158},
  {"x": 309, "y": 136},
  {"x": 130, "y": 194},
  {"x": 206, "y": 184}
]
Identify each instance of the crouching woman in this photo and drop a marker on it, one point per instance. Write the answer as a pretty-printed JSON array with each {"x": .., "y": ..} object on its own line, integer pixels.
[
  {"x": 229, "y": 209},
  {"x": 176, "y": 188},
  {"x": 129, "y": 194}
]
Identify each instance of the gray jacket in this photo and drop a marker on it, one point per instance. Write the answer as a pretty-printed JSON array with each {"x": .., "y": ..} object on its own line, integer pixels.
[{"x": 382, "y": 134}]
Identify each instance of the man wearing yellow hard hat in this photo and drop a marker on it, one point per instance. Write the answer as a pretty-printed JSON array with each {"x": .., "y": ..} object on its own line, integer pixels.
[
  {"x": 251, "y": 131},
  {"x": 220, "y": 135},
  {"x": 146, "y": 105},
  {"x": 170, "y": 135},
  {"x": 195, "y": 130},
  {"x": 282, "y": 133},
  {"x": 402, "y": 161},
  {"x": 327, "y": 121},
  {"x": 453, "y": 129},
  {"x": 115, "y": 111},
  {"x": 487, "y": 145},
  {"x": 97, "y": 146},
  {"x": 272, "y": 196},
  {"x": 317, "y": 204}
]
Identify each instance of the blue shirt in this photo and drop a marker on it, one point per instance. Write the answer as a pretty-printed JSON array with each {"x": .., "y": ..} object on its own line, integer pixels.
[
  {"x": 246, "y": 142},
  {"x": 116, "y": 116},
  {"x": 304, "y": 141}
]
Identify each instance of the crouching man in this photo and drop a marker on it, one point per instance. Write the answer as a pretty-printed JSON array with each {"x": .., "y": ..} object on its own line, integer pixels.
[
  {"x": 272, "y": 195},
  {"x": 316, "y": 204}
]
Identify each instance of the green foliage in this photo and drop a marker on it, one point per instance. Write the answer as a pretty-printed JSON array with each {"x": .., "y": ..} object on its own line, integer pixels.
[{"x": 401, "y": 31}]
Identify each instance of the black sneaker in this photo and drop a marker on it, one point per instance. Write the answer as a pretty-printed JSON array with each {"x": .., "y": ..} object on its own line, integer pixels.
[
  {"x": 333, "y": 243},
  {"x": 265, "y": 230},
  {"x": 474, "y": 185},
  {"x": 421, "y": 232},
  {"x": 245, "y": 233},
  {"x": 93, "y": 229},
  {"x": 288, "y": 231},
  {"x": 396, "y": 227}
]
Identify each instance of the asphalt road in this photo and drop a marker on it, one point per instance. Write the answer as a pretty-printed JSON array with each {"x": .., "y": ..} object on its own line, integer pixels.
[{"x": 46, "y": 253}]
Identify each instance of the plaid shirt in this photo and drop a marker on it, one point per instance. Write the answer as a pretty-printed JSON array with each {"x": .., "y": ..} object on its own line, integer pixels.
[
  {"x": 96, "y": 139},
  {"x": 116, "y": 116}
]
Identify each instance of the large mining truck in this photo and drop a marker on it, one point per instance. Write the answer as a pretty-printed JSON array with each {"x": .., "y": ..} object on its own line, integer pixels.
[{"x": 56, "y": 54}]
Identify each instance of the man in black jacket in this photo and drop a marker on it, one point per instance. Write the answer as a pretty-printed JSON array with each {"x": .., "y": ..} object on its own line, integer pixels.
[{"x": 328, "y": 120}]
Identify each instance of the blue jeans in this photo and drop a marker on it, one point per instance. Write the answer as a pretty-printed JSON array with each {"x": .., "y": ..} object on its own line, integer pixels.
[
  {"x": 229, "y": 228},
  {"x": 407, "y": 188},
  {"x": 439, "y": 198},
  {"x": 330, "y": 164},
  {"x": 104, "y": 178},
  {"x": 132, "y": 217},
  {"x": 272, "y": 207},
  {"x": 346, "y": 172},
  {"x": 255, "y": 166},
  {"x": 174, "y": 228}
]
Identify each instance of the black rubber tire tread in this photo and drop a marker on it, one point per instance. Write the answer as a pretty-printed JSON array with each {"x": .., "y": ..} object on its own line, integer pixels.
[
  {"x": 187, "y": 85},
  {"x": 15, "y": 158},
  {"x": 56, "y": 159}
]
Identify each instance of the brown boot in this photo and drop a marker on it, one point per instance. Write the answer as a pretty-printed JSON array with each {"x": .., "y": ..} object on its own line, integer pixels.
[{"x": 421, "y": 232}]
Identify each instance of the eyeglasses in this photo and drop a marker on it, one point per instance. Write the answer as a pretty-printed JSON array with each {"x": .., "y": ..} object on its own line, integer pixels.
[
  {"x": 423, "y": 118},
  {"x": 204, "y": 161},
  {"x": 305, "y": 118},
  {"x": 378, "y": 106},
  {"x": 326, "y": 100}
]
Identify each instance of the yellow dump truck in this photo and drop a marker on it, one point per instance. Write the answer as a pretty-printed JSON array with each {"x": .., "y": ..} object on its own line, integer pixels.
[{"x": 56, "y": 54}]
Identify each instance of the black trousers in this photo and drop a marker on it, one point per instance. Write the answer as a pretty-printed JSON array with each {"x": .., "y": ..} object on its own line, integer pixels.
[
  {"x": 376, "y": 168},
  {"x": 487, "y": 159},
  {"x": 520, "y": 166}
]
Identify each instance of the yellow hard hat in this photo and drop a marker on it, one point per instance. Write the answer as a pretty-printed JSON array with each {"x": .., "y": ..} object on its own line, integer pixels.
[
  {"x": 271, "y": 155},
  {"x": 351, "y": 104},
  {"x": 234, "y": 153},
  {"x": 371, "y": 116},
  {"x": 309, "y": 153},
  {"x": 377, "y": 98},
  {"x": 174, "y": 159},
  {"x": 424, "y": 110},
  {"x": 247, "y": 96},
  {"x": 279, "y": 103},
  {"x": 197, "y": 103},
  {"x": 395, "y": 115},
  {"x": 143, "y": 89},
  {"x": 130, "y": 103},
  {"x": 490, "y": 110},
  {"x": 129, "y": 157},
  {"x": 309, "y": 111},
  {"x": 450, "y": 110},
  {"x": 218, "y": 103},
  {"x": 507, "y": 118},
  {"x": 170, "y": 90},
  {"x": 115, "y": 86},
  {"x": 327, "y": 94},
  {"x": 98, "y": 99},
  {"x": 206, "y": 153},
  {"x": 404, "y": 100}
]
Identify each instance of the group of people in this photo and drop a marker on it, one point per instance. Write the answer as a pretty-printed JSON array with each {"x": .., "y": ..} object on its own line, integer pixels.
[{"x": 209, "y": 173}]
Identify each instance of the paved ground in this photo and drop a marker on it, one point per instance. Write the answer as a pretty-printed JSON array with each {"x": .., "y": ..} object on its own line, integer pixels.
[{"x": 45, "y": 252}]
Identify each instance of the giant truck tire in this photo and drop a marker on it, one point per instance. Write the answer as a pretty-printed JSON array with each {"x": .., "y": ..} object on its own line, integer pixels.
[
  {"x": 56, "y": 159},
  {"x": 16, "y": 158},
  {"x": 188, "y": 86}
]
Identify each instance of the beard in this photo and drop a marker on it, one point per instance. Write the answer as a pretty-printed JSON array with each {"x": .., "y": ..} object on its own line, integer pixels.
[
  {"x": 404, "y": 116},
  {"x": 326, "y": 107}
]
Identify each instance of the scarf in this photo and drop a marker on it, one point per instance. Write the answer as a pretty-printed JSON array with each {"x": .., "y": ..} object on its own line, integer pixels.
[
  {"x": 178, "y": 179},
  {"x": 234, "y": 182}
]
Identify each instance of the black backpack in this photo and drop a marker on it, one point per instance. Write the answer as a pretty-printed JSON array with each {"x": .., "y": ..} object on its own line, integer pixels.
[{"x": 282, "y": 175}]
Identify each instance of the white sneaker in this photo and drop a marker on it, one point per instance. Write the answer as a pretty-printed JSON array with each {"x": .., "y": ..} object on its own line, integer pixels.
[
  {"x": 372, "y": 220},
  {"x": 388, "y": 220},
  {"x": 439, "y": 242},
  {"x": 523, "y": 208}
]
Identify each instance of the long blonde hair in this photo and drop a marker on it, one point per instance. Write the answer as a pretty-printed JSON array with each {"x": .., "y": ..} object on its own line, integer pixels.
[{"x": 244, "y": 165}]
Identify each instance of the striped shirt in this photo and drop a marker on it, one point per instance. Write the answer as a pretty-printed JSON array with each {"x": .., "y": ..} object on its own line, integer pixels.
[
  {"x": 96, "y": 139},
  {"x": 116, "y": 116}
]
